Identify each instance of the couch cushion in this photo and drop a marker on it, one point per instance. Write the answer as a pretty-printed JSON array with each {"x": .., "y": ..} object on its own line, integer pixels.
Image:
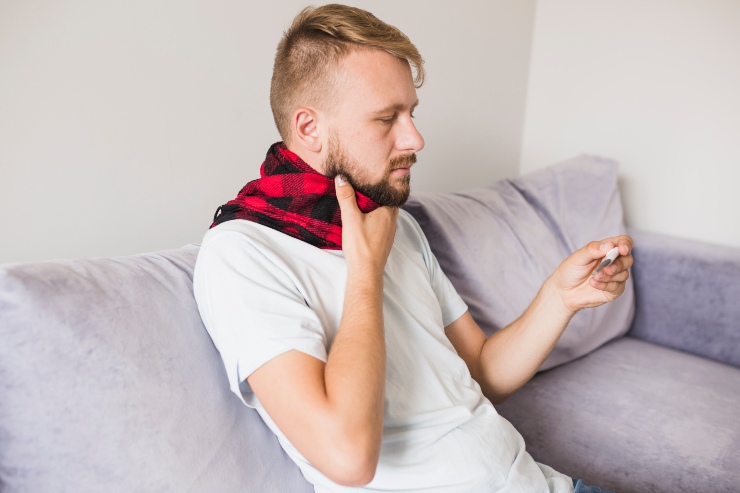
[
  {"x": 635, "y": 417},
  {"x": 109, "y": 382},
  {"x": 499, "y": 244}
]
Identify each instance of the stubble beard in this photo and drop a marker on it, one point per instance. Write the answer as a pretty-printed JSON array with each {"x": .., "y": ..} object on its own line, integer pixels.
[{"x": 383, "y": 192}]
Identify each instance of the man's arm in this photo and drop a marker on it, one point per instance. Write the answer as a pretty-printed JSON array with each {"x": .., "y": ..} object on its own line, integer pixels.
[
  {"x": 333, "y": 413},
  {"x": 504, "y": 362}
]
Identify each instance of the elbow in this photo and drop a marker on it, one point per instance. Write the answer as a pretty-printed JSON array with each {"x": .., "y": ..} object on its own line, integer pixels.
[
  {"x": 497, "y": 396},
  {"x": 498, "y": 392},
  {"x": 353, "y": 462},
  {"x": 355, "y": 475},
  {"x": 350, "y": 470},
  {"x": 498, "y": 399}
]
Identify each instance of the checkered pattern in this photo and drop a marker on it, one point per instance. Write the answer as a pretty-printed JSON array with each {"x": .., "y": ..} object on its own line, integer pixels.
[{"x": 293, "y": 198}]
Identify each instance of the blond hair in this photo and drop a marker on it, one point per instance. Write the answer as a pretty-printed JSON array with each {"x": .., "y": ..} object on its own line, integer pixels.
[{"x": 309, "y": 52}]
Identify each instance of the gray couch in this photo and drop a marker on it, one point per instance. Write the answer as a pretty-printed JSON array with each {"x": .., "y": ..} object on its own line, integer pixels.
[{"x": 109, "y": 381}]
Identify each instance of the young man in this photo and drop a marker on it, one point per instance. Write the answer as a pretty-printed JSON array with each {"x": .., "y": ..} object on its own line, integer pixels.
[{"x": 329, "y": 309}]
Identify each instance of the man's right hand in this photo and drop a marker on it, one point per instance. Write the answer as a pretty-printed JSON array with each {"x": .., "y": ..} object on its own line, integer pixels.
[{"x": 367, "y": 239}]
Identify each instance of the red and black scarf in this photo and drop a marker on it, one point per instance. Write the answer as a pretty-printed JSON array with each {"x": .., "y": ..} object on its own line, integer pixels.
[{"x": 293, "y": 198}]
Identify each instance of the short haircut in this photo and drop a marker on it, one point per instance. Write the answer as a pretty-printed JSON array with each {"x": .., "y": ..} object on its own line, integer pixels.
[{"x": 310, "y": 50}]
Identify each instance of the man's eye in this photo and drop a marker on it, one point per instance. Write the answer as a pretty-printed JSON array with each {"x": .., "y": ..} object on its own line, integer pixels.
[{"x": 388, "y": 121}]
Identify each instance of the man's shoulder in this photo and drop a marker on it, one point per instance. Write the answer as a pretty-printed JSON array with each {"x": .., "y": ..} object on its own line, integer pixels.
[
  {"x": 234, "y": 231},
  {"x": 243, "y": 246},
  {"x": 242, "y": 234}
]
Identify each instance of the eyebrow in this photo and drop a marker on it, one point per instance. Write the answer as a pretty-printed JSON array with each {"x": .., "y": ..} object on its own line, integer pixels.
[{"x": 396, "y": 107}]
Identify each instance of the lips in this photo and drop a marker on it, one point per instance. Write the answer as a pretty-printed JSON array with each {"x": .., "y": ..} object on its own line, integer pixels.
[
  {"x": 401, "y": 171},
  {"x": 403, "y": 163}
]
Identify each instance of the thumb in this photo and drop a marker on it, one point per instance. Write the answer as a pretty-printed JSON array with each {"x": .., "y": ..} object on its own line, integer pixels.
[
  {"x": 593, "y": 251},
  {"x": 345, "y": 195}
]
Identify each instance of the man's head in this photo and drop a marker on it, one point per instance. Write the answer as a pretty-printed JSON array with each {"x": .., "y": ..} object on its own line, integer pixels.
[{"x": 343, "y": 94}]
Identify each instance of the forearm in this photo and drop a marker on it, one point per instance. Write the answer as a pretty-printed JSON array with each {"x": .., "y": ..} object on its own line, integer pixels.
[
  {"x": 355, "y": 368},
  {"x": 332, "y": 412},
  {"x": 504, "y": 362},
  {"x": 511, "y": 356}
]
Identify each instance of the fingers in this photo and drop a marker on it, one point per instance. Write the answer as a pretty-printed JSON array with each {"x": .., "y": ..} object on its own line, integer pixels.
[
  {"x": 367, "y": 239},
  {"x": 348, "y": 201},
  {"x": 625, "y": 259},
  {"x": 619, "y": 276},
  {"x": 614, "y": 288},
  {"x": 343, "y": 188},
  {"x": 619, "y": 265},
  {"x": 346, "y": 197},
  {"x": 573, "y": 276},
  {"x": 612, "y": 279},
  {"x": 593, "y": 251},
  {"x": 624, "y": 243},
  {"x": 597, "y": 250}
]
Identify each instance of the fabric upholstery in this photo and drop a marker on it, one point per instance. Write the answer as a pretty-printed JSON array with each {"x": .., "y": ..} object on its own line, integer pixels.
[
  {"x": 635, "y": 417},
  {"x": 499, "y": 244},
  {"x": 689, "y": 296},
  {"x": 109, "y": 382}
]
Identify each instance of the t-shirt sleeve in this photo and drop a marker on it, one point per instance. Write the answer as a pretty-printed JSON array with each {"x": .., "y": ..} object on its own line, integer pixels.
[
  {"x": 251, "y": 309},
  {"x": 451, "y": 303}
]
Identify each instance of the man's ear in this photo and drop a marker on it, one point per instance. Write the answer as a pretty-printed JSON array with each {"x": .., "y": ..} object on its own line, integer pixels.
[{"x": 306, "y": 132}]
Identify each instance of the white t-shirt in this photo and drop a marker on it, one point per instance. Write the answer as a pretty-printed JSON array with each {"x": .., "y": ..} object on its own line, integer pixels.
[{"x": 262, "y": 293}]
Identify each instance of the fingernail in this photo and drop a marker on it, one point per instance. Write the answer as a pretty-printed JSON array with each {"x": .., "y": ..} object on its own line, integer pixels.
[
  {"x": 339, "y": 180},
  {"x": 605, "y": 247}
]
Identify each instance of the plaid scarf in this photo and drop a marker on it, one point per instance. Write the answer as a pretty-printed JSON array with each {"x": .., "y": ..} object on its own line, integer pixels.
[{"x": 293, "y": 198}]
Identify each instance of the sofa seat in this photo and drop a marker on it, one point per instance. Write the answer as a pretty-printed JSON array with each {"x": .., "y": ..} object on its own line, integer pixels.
[{"x": 671, "y": 419}]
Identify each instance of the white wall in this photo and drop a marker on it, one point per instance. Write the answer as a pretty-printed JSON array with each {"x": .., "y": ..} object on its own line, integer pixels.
[
  {"x": 124, "y": 124},
  {"x": 653, "y": 85}
]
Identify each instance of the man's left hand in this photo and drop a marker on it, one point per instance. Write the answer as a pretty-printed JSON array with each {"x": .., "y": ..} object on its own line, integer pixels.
[{"x": 573, "y": 280}]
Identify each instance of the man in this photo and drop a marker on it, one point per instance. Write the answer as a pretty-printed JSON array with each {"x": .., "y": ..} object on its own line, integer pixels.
[{"x": 329, "y": 309}]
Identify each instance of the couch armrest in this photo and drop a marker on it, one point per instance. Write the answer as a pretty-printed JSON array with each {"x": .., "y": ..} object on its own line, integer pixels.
[{"x": 687, "y": 295}]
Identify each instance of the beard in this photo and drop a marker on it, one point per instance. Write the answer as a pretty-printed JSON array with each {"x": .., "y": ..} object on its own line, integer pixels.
[{"x": 383, "y": 192}]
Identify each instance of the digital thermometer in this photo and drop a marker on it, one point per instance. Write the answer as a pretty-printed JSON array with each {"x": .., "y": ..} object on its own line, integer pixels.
[{"x": 610, "y": 257}]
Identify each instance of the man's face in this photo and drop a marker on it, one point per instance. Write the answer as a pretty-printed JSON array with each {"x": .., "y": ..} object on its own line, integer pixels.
[{"x": 372, "y": 139}]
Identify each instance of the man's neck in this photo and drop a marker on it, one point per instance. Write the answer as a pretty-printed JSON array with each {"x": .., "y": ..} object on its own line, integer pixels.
[{"x": 313, "y": 159}]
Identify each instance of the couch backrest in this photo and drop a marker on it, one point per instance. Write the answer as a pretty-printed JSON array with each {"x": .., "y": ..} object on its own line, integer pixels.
[
  {"x": 688, "y": 296},
  {"x": 109, "y": 382}
]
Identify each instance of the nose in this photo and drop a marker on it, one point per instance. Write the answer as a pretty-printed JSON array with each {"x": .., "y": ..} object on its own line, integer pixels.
[{"x": 410, "y": 140}]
